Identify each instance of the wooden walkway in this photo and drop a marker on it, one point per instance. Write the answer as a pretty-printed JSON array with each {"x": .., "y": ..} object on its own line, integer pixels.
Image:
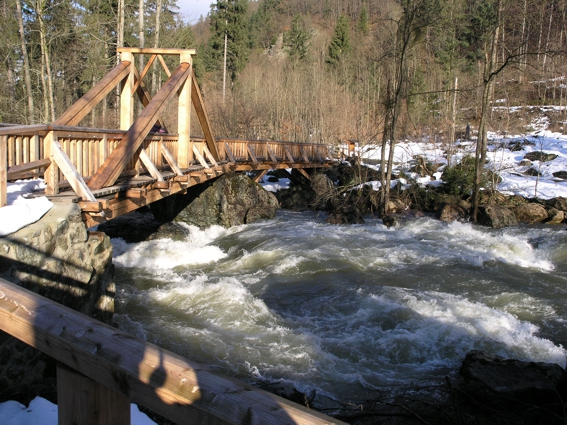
[{"x": 113, "y": 172}]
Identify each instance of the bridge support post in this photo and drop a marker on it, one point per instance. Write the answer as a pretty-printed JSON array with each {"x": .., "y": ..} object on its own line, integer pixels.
[
  {"x": 83, "y": 401},
  {"x": 184, "y": 154},
  {"x": 126, "y": 94},
  {"x": 51, "y": 175}
]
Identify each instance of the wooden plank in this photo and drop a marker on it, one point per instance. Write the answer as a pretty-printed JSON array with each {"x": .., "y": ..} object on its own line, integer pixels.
[
  {"x": 200, "y": 157},
  {"x": 203, "y": 117},
  {"x": 83, "y": 401},
  {"x": 169, "y": 158},
  {"x": 140, "y": 77},
  {"x": 152, "y": 169},
  {"x": 126, "y": 93},
  {"x": 303, "y": 154},
  {"x": 229, "y": 153},
  {"x": 134, "y": 193},
  {"x": 318, "y": 155},
  {"x": 87, "y": 103},
  {"x": 210, "y": 156},
  {"x": 288, "y": 153},
  {"x": 3, "y": 171},
  {"x": 157, "y": 51},
  {"x": 73, "y": 177},
  {"x": 119, "y": 158},
  {"x": 23, "y": 129},
  {"x": 144, "y": 95},
  {"x": 12, "y": 171},
  {"x": 251, "y": 154},
  {"x": 162, "y": 185}
]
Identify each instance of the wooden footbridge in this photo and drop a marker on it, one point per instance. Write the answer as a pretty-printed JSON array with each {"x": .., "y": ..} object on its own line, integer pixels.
[{"x": 114, "y": 172}]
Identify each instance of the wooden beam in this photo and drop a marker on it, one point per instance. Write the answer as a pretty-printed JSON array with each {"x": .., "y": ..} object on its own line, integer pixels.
[
  {"x": 75, "y": 179},
  {"x": 271, "y": 153},
  {"x": 303, "y": 154},
  {"x": 210, "y": 156},
  {"x": 169, "y": 158},
  {"x": 157, "y": 51},
  {"x": 302, "y": 171},
  {"x": 200, "y": 157},
  {"x": 51, "y": 174},
  {"x": 83, "y": 401},
  {"x": 140, "y": 76},
  {"x": 203, "y": 117},
  {"x": 229, "y": 153},
  {"x": 144, "y": 95},
  {"x": 89, "y": 206},
  {"x": 259, "y": 177},
  {"x": 184, "y": 120},
  {"x": 288, "y": 153},
  {"x": 117, "y": 160},
  {"x": 3, "y": 171},
  {"x": 150, "y": 166},
  {"x": 126, "y": 93},
  {"x": 251, "y": 154},
  {"x": 82, "y": 107},
  {"x": 165, "y": 67},
  {"x": 16, "y": 169}
]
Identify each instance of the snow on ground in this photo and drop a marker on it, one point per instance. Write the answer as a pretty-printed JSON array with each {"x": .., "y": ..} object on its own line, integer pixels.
[
  {"x": 20, "y": 210},
  {"x": 41, "y": 411}
]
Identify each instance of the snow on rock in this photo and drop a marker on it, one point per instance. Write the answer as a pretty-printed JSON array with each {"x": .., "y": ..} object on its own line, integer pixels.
[
  {"x": 20, "y": 210},
  {"x": 43, "y": 412}
]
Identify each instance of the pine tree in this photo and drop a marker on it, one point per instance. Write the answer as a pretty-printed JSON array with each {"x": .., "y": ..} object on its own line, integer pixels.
[
  {"x": 229, "y": 17},
  {"x": 296, "y": 39},
  {"x": 340, "y": 42},
  {"x": 363, "y": 26}
]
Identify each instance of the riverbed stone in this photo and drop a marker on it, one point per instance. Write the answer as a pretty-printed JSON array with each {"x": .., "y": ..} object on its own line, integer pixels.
[
  {"x": 451, "y": 212},
  {"x": 531, "y": 213},
  {"x": 554, "y": 216},
  {"x": 346, "y": 214},
  {"x": 496, "y": 217},
  {"x": 530, "y": 382}
]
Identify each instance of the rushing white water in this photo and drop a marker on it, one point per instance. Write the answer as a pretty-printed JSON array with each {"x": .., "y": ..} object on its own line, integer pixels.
[{"x": 344, "y": 310}]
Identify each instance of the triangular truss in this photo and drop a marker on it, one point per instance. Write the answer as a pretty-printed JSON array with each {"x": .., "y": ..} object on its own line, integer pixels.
[{"x": 181, "y": 82}]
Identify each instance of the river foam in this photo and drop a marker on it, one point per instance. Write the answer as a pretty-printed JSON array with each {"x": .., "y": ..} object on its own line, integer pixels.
[{"x": 343, "y": 310}]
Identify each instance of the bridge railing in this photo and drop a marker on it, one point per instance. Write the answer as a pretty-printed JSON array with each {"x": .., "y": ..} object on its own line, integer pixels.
[
  {"x": 25, "y": 152},
  {"x": 101, "y": 369}
]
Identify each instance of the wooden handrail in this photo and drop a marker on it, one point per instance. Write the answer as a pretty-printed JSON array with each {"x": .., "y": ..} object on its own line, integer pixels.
[{"x": 176, "y": 388}]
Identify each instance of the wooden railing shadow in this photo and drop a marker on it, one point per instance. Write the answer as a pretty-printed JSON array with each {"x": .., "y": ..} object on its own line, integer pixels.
[{"x": 102, "y": 369}]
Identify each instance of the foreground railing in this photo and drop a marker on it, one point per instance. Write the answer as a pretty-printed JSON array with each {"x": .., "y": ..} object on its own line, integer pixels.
[{"x": 101, "y": 370}]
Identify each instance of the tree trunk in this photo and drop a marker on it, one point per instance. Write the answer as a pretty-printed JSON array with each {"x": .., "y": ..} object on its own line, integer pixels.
[
  {"x": 156, "y": 45},
  {"x": 27, "y": 77}
]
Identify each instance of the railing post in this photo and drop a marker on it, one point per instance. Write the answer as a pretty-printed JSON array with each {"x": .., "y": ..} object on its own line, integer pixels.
[
  {"x": 51, "y": 175},
  {"x": 3, "y": 171},
  {"x": 82, "y": 401},
  {"x": 184, "y": 117},
  {"x": 126, "y": 94}
]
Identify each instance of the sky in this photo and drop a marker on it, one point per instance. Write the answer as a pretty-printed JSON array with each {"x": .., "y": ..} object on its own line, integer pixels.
[{"x": 191, "y": 10}]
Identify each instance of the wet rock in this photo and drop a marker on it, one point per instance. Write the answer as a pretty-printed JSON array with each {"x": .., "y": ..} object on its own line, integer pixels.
[
  {"x": 554, "y": 216},
  {"x": 531, "y": 382},
  {"x": 496, "y": 217},
  {"x": 227, "y": 202},
  {"x": 346, "y": 214},
  {"x": 452, "y": 212},
  {"x": 531, "y": 213},
  {"x": 559, "y": 203},
  {"x": 540, "y": 156},
  {"x": 389, "y": 221},
  {"x": 297, "y": 198}
]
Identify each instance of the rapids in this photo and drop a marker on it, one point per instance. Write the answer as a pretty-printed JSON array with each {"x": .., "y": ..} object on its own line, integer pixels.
[{"x": 339, "y": 312}]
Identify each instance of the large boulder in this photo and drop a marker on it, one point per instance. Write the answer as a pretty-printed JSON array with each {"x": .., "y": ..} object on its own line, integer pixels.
[
  {"x": 346, "y": 214},
  {"x": 540, "y": 156},
  {"x": 452, "y": 212},
  {"x": 232, "y": 199},
  {"x": 496, "y": 217},
  {"x": 554, "y": 216},
  {"x": 531, "y": 213},
  {"x": 530, "y": 382},
  {"x": 559, "y": 203}
]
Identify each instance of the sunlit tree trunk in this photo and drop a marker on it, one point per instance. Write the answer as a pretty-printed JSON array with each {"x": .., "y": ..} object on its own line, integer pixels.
[{"x": 27, "y": 77}]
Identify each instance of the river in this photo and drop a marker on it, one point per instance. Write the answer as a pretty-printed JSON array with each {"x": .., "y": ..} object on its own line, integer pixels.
[{"x": 339, "y": 312}]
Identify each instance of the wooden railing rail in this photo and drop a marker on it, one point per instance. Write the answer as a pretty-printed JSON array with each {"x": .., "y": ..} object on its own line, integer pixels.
[{"x": 114, "y": 369}]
